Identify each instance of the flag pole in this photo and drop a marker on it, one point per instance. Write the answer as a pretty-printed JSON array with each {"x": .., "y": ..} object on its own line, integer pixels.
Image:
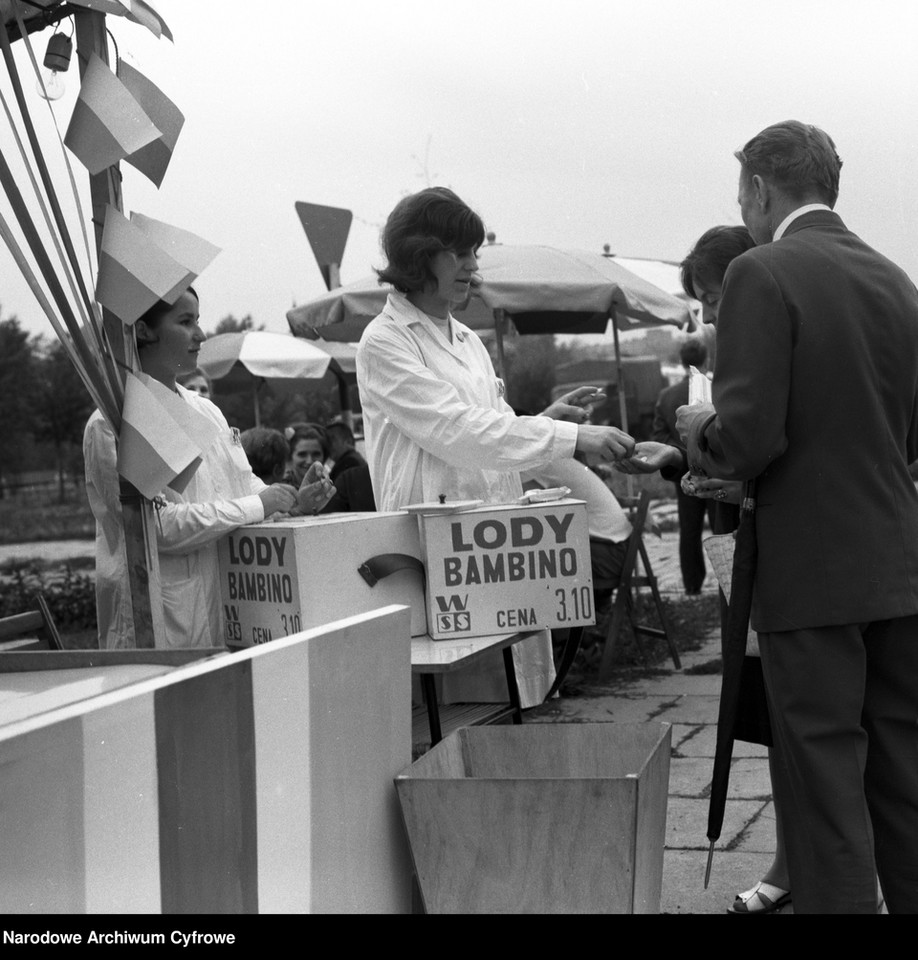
[{"x": 137, "y": 514}]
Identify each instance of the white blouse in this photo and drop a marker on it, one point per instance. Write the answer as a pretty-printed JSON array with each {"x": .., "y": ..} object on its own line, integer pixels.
[{"x": 221, "y": 496}]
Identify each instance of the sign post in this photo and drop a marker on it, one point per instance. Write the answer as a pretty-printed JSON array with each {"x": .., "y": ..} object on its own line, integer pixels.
[{"x": 326, "y": 230}]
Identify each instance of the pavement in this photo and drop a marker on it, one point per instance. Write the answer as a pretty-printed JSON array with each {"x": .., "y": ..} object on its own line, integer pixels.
[{"x": 688, "y": 702}]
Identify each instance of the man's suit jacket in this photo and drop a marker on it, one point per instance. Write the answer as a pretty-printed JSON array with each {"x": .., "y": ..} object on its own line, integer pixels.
[
  {"x": 350, "y": 458},
  {"x": 816, "y": 393}
]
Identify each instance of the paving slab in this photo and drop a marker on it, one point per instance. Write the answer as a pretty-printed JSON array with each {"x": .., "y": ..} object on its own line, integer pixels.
[
  {"x": 731, "y": 873},
  {"x": 690, "y": 777},
  {"x": 690, "y": 710},
  {"x": 687, "y": 823}
]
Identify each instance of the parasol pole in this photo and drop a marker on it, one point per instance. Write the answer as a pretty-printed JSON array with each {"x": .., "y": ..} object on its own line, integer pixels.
[
  {"x": 255, "y": 385},
  {"x": 500, "y": 320},
  {"x": 622, "y": 405},
  {"x": 137, "y": 514}
]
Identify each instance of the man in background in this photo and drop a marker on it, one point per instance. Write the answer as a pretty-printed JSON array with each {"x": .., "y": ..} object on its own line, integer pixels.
[
  {"x": 692, "y": 510},
  {"x": 341, "y": 449}
]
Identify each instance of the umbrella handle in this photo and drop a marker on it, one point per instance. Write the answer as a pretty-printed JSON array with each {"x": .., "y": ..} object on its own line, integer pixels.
[{"x": 707, "y": 869}]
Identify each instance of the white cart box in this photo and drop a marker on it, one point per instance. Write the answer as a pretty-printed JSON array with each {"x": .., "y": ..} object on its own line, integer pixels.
[
  {"x": 280, "y": 578},
  {"x": 500, "y": 569}
]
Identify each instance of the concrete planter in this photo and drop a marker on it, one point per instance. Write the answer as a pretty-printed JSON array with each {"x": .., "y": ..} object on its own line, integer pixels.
[{"x": 540, "y": 818}]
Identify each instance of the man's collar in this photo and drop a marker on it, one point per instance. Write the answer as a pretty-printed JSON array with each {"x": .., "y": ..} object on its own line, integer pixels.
[{"x": 799, "y": 212}]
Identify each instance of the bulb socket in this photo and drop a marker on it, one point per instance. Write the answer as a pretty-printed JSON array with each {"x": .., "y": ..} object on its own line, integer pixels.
[{"x": 57, "y": 56}]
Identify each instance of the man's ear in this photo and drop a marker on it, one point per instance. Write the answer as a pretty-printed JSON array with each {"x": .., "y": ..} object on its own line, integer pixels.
[
  {"x": 762, "y": 192},
  {"x": 144, "y": 334}
]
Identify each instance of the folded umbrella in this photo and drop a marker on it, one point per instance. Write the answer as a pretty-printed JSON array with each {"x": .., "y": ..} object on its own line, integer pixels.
[{"x": 734, "y": 652}]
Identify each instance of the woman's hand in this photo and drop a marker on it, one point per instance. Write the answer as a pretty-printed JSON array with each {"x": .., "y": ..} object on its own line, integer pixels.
[
  {"x": 315, "y": 490},
  {"x": 710, "y": 488},
  {"x": 606, "y": 443},
  {"x": 575, "y": 406},
  {"x": 650, "y": 456},
  {"x": 278, "y": 498}
]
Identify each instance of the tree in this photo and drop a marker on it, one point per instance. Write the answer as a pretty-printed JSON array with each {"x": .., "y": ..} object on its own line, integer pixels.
[
  {"x": 229, "y": 324},
  {"x": 17, "y": 389},
  {"x": 62, "y": 405}
]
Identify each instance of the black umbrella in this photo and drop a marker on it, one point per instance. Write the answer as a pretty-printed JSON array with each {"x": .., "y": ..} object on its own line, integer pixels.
[{"x": 734, "y": 653}]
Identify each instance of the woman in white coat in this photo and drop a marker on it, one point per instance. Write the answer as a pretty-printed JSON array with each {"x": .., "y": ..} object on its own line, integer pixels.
[
  {"x": 435, "y": 419},
  {"x": 222, "y": 495}
]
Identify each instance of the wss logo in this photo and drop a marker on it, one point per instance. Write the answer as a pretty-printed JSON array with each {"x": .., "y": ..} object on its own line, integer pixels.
[
  {"x": 453, "y": 617},
  {"x": 232, "y": 629}
]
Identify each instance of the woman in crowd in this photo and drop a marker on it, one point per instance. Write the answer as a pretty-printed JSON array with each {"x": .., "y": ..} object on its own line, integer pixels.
[
  {"x": 308, "y": 445},
  {"x": 435, "y": 418},
  {"x": 703, "y": 272},
  {"x": 222, "y": 495},
  {"x": 197, "y": 382}
]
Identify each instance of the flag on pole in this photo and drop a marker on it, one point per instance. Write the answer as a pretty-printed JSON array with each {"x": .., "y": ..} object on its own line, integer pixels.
[
  {"x": 192, "y": 252},
  {"x": 153, "y": 159},
  {"x": 145, "y": 260},
  {"x": 134, "y": 271},
  {"x": 153, "y": 450},
  {"x": 107, "y": 124}
]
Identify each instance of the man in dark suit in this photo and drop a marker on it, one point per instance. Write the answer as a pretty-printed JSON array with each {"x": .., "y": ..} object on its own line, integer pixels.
[
  {"x": 341, "y": 449},
  {"x": 816, "y": 395},
  {"x": 692, "y": 510}
]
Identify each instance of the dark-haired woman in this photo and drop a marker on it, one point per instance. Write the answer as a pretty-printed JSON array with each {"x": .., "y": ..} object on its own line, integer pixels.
[
  {"x": 222, "y": 495},
  {"x": 435, "y": 419},
  {"x": 702, "y": 274}
]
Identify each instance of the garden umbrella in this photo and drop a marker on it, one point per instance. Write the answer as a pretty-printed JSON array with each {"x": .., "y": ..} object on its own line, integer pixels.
[
  {"x": 542, "y": 289},
  {"x": 734, "y": 652},
  {"x": 251, "y": 357}
]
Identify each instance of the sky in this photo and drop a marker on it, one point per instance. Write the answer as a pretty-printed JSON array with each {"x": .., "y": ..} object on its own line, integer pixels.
[{"x": 571, "y": 124}]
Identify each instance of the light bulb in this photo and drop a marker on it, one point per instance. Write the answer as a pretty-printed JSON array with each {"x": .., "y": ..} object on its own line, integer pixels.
[
  {"x": 57, "y": 60},
  {"x": 54, "y": 85}
]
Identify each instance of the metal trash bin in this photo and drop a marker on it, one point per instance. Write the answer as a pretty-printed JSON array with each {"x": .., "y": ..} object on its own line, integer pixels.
[{"x": 540, "y": 818}]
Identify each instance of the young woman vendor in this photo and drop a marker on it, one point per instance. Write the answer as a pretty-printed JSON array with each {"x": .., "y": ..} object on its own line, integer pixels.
[{"x": 222, "y": 495}]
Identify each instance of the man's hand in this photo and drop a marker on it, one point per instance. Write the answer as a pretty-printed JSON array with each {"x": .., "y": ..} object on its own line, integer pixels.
[
  {"x": 649, "y": 456},
  {"x": 687, "y": 414},
  {"x": 709, "y": 488},
  {"x": 575, "y": 406},
  {"x": 607, "y": 443}
]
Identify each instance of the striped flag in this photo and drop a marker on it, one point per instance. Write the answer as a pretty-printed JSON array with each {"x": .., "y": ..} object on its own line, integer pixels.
[
  {"x": 107, "y": 124},
  {"x": 153, "y": 159},
  {"x": 154, "y": 450},
  {"x": 187, "y": 248},
  {"x": 135, "y": 271}
]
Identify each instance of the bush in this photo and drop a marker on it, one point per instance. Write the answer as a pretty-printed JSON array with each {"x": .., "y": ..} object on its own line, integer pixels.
[
  {"x": 71, "y": 596},
  {"x": 31, "y": 517}
]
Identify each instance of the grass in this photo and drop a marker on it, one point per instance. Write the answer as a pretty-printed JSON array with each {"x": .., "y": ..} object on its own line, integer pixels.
[
  {"x": 36, "y": 515},
  {"x": 691, "y": 620}
]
